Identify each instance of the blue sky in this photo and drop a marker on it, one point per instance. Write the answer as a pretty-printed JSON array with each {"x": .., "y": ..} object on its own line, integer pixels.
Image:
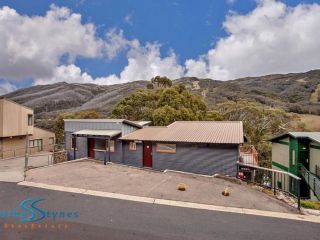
[{"x": 179, "y": 30}]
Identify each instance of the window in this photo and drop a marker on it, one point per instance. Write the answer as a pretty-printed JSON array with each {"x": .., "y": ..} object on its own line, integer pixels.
[
  {"x": 132, "y": 146},
  {"x": 30, "y": 119},
  {"x": 73, "y": 143},
  {"x": 293, "y": 157},
  {"x": 35, "y": 143},
  {"x": 166, "y": 148},
  {"x": 51, "y": 140},
  {"x": 111, "y": 145}
]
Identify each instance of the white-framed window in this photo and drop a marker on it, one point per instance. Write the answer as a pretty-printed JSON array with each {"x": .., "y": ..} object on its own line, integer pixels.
[
  {"x": 51, "y": 140},
  {"x": 132, "y": 146},
  {"x": 31, "y": 143},
  {"x": 111, "y": 145},
  {"x": 30, "y": 119},
  {"x": 293, "y": 157},
  {"x": 166, "y": 147}
]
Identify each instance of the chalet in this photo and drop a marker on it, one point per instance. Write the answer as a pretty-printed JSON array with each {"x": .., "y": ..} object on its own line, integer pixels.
[
  {"x": 299, "y": 154},
  {"x": 203, "y": 147},
  {"x": 17, "y": 130}
]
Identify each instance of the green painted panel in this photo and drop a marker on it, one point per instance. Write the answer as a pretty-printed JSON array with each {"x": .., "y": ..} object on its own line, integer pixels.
[
  {"x": 293, "y": 156},
  {"x": 315, "y": 147},
  {"x": 278, "y": 165},
  {"x": 282, "y": 142}
]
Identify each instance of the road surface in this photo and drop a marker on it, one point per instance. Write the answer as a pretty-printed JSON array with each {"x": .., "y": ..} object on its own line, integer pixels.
[{"x": 103, "y": 218}]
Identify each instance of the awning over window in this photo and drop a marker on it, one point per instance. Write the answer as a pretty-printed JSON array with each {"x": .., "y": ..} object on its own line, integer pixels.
[{"x": 97, "y": 133}]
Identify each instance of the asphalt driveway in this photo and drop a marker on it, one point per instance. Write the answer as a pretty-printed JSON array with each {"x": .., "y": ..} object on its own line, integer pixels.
[{"x": 115, "y": 178}]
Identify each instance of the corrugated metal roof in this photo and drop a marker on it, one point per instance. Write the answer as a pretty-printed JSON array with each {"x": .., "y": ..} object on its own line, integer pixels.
[
  {"x": 315, "y": 136},
  {"x": 105, "y": 120},
  {"x": 192, "y": 131},
  {"x": 100, "y": 133},
  {"x": 142, "y": 123}
]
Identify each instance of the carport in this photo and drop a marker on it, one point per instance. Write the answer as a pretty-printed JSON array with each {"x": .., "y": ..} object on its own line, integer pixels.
[{"x": 97, "y": 141}]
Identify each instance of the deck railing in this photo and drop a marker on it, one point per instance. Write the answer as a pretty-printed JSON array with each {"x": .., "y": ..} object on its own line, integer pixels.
[
  {"x": 312, "y": 180},
  {"x": 272, "y": 179}
]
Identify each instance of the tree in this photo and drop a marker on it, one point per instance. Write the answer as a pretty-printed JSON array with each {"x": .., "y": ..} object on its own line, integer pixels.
[
  {"x": 260, "y": 123},
  {"x": 161, "y": 105},
  {"x": 59, "y": 123},
  {"x": 161, "y": 82}
]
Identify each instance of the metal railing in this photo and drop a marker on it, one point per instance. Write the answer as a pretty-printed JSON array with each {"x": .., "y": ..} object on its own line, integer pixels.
[
  {"x": 312, "y": 180},
  {"x": 272, "y": 179},
  {"x": 317, "y": 171},
  {"x": 21, "y": 152}
]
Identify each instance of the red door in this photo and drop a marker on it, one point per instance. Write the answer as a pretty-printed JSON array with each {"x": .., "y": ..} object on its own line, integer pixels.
[
  {"x": 91, "y": 147},
  {"x": 147, "y": 154}
]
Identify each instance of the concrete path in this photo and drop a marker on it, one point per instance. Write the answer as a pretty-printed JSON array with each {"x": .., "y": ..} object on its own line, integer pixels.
[
  {"x": 137, "y": 182},
  {"x": 12, "y": 170}
]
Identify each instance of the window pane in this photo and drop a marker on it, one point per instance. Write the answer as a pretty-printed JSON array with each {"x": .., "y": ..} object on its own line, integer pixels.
[
  {"x": 30, "y": 119},
  {"x": 168, "y": 148},
  {"x": 293, "y": 157},
  {"x": 132, "y": 146},
  {"x": 31, "y": 143},
  {"x": 111, "y": 145},
  {"x": 73, "y": 143},
  {"x": 99, "y": 144}
]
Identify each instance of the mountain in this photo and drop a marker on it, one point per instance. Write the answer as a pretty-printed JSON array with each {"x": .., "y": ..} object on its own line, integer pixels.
[{"x": 294, "y": 92}]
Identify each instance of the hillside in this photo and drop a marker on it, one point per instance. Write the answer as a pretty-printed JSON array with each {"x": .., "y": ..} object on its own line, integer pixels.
[{"x": 296, "y": 92}]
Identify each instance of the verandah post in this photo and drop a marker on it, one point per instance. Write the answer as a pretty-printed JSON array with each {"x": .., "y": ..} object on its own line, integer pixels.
[{"x": 109, "y": 159}]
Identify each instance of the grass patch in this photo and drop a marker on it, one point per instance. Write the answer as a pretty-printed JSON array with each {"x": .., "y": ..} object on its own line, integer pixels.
[{"x": 310, "y": 204}]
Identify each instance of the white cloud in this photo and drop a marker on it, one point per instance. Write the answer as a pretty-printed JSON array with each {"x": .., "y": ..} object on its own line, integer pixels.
[
  {"x": 116, "y": 42},
  {"x": 144, "y": 62},
  {"x": 7, "y": 87},
  {"x": 273, "y": 38},
  {"x": 32, "y": 46}
]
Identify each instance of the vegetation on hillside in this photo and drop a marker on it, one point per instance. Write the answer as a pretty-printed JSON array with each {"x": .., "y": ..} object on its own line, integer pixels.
[
  {"x": 161, "y": 103},
  {"x": 59, "y": 123},
  {"x": 296, "y": 92},
  {"x": 260, "y": 123}
]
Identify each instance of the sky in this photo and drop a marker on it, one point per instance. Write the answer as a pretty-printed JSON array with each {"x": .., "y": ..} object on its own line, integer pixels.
[{"x": 116, "y": 41}]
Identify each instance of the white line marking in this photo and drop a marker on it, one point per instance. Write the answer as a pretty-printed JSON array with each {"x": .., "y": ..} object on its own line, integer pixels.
[{"x": 289, "y": 216}]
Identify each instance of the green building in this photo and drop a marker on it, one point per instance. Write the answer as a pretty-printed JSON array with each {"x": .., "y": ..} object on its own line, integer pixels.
[{"x": 299, "y": 154}]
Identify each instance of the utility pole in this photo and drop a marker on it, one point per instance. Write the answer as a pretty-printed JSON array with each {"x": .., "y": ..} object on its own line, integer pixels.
[{"x": 26, "y": 157}]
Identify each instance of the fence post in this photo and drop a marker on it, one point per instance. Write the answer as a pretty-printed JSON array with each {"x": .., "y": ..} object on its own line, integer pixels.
[
  {"x": 274, "y": 183},
  {"x": 298, "y": 193}
]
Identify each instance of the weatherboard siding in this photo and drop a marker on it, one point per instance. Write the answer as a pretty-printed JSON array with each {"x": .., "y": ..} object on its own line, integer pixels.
[
  {"x": 81, "y": 149},
  {"x": 206, "y": 159},
  {"x": 132, "y": 157},
  {"x": 314, "y": 156},
  {"x": 280, "y": 155}
]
